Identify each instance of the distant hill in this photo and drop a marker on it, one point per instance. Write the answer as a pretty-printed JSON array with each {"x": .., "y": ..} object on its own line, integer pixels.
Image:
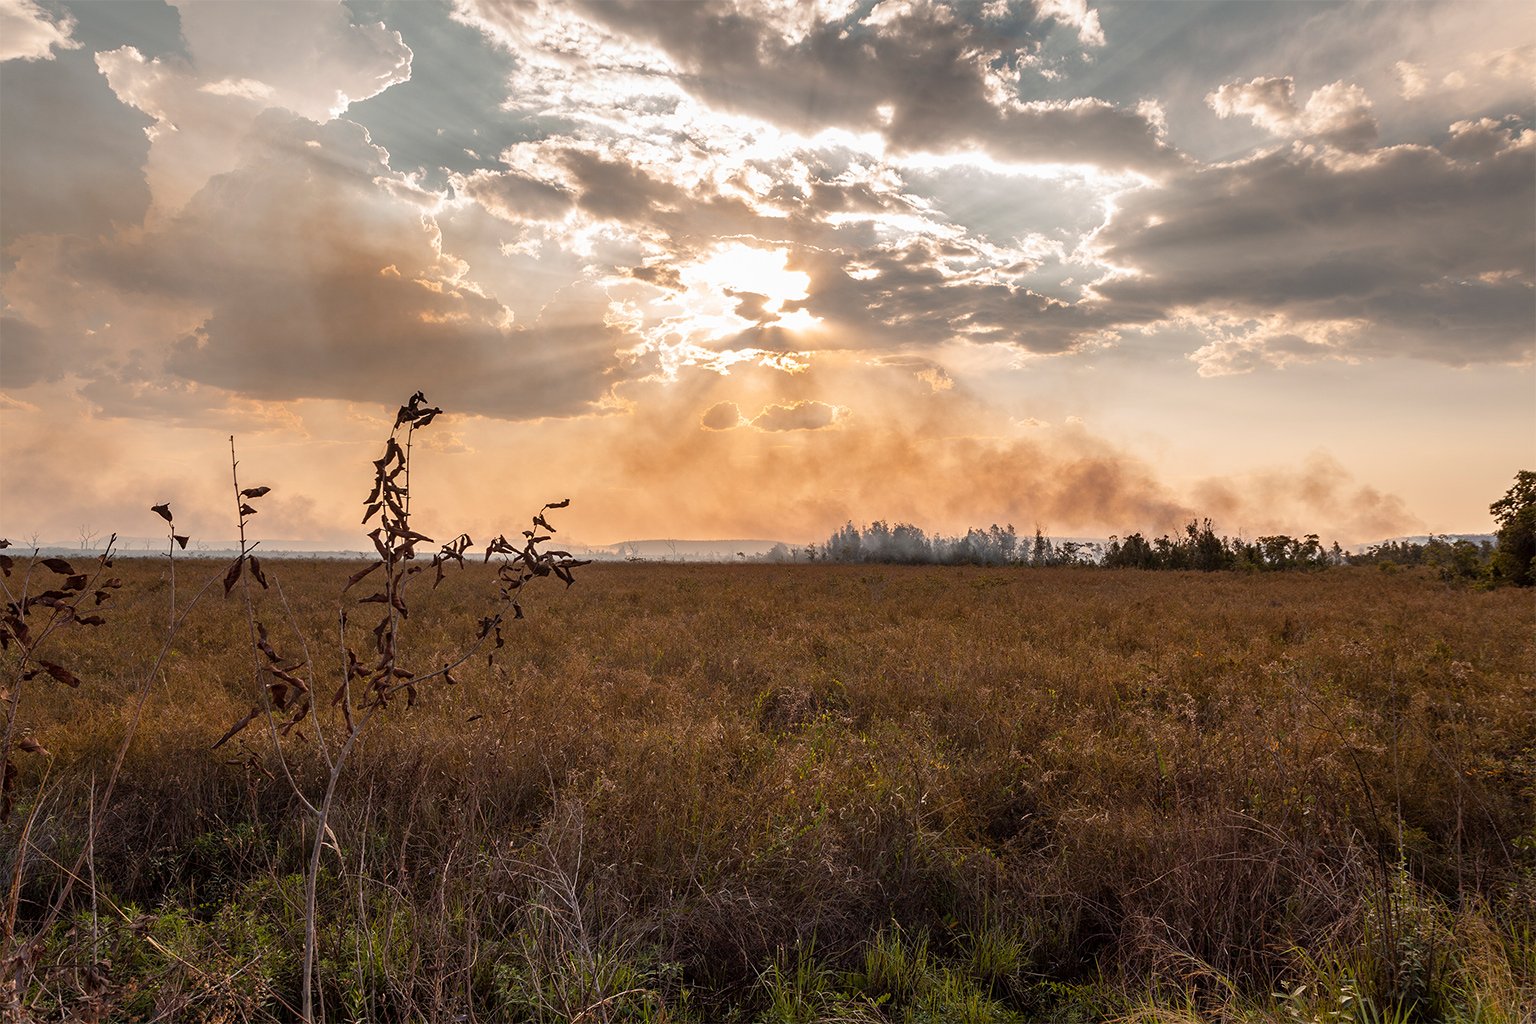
[
  {"x": 676, "y": 550},
  {"x": 1423, "y": 538}
]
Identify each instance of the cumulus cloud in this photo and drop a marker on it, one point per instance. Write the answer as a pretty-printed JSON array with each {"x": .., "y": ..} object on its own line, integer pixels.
[
  {"x": 881, "y": 270},
  {"x": 27, "y": 32},
  {"x": 244, "y": 59},
  {"x": 1405, "y": 250},
  {"x": 722, "y": 416},
  {"x": 1412, "y": 82},
  {"x": 76, "y": 173},
  {"x": 1338, "y": 114},
  {"x": 797, "y": 416},
  {"x": 308, "y": 58},
  {"x": 1078, "y": 15},
  {"x": 1244, "y": 345},
  {"x": 1484, "y": 71},
  {"x": 927, "y": 76},
  {"x": 297, "y": 276},
  {"x": 282, "y": 257}
]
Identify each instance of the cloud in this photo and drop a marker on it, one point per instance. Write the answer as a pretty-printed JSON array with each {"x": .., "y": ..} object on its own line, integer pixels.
[
  {"x": 514, "y": 197},
  {"x": 27, "y": 32},
  {"x": 722, "y": 416},
  {"x": 1411, "y": 78},
  {"x": 296, "y": 275},
  {"x": 1338, "y": 114},
  {"x": 29, "y": 357},
  {"x": 1241, "y": 346},
  {"x": 77, "y": 173},
  {"x": 926, "y": 76},
  {"x": 882, "y": 270},
  {"x": 130, "y": 393},
  {"x": 1487, "y": 71},
  {"x": 1406, "y": 250},
  {"x": 797, "y": 416},
  {"x": 1077, "y": 14},
  {"x": 308, "y": 58},
  {"x": 243, "y": 59}
]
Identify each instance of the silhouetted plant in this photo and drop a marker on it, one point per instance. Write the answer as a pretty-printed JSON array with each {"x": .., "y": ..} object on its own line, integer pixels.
[{"x": 369, "y": 681}]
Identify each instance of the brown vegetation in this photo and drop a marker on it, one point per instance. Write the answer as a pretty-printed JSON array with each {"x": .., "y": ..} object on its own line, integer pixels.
[{"x": 690, "y": 792}]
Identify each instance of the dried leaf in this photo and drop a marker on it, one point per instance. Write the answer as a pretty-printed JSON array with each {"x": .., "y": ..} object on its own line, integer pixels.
[
  {"x": 358, "y": 576},
  {"x": 265, "y": 646},
  {"x": 255, "y": 492},
  {"x": 261, "y": 577},
  {"x": 60, "y": 673},
  {"x": 31, "y": 746},
  {"x": 163, "y": 511},
  {"x": 235, "y": 729},
  {"x": 562, "y": 503},
  {"x": 246, "y": 510},
  {"x": 179, "y": 539},
  {"x": 59, "y": 566},
  {"x": 233, "y": 576}
]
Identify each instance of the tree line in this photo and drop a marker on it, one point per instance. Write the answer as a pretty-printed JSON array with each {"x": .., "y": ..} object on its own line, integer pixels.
[{"x": 1197, "y": 547}]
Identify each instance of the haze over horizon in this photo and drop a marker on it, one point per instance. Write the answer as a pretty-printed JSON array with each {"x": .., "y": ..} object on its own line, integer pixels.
[{"x": 757, "y": 269}]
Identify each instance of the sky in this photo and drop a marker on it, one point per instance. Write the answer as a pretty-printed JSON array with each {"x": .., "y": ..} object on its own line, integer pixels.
[{"x": 756, "y": 269}]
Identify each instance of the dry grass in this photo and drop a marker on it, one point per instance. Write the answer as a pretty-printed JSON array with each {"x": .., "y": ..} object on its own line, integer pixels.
[{"x": 672, "y": 775}]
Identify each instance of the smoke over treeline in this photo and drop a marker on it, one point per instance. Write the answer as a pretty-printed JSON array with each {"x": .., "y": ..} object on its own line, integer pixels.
[{"x": 1197, "y": 547}]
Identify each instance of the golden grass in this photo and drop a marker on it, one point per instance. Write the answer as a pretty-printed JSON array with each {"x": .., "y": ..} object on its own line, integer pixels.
[{"x": 697, "y": 767}]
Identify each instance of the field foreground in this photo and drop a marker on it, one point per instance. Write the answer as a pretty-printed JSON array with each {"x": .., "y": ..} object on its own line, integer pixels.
[{"x": 805, "y": 793}]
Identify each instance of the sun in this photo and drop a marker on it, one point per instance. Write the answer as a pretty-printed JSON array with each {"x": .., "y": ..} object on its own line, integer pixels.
[{"x": 738, "y": 268}]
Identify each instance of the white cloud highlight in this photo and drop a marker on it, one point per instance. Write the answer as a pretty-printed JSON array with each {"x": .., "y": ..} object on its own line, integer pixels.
[{"x": 27, "y": 32}]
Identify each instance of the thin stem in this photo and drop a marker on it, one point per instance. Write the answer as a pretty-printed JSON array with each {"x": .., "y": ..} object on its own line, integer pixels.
[
  {"x": 234, "y": 472},
  {"x": 309, "y": 664}
]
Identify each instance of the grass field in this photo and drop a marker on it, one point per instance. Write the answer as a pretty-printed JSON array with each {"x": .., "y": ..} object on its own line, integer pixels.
[{"x": 807, "y": 793}]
